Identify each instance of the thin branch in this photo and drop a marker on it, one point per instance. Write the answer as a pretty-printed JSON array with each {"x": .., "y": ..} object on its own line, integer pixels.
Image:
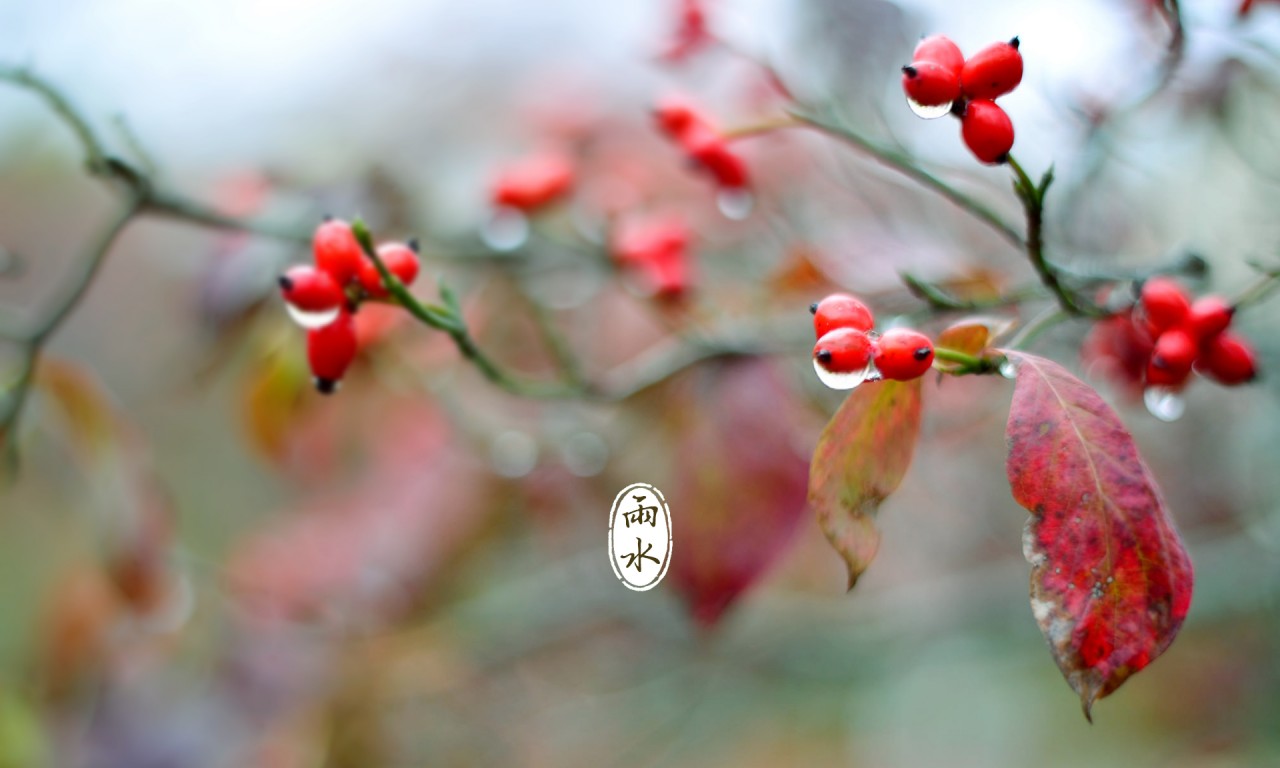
[
  {"x": 1032, "y": 197},
  {"x": 907, "y": 166}
]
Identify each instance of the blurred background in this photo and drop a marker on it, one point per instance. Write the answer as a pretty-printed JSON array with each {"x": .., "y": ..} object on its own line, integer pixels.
[{"x": 205, "y": 563}]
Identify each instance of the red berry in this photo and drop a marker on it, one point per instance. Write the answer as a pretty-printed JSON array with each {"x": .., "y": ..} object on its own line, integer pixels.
[
  {"x": 310, "y": 289},
  {"x": 1175, "y": 352},
  {"x": 1228, "y": 359},
  {"x": 930, "y": 84},
  {"x": 902, "y": 354},
  {"x": 711, "y": 151},
  {"x": 1208, "y": 317},
  {"x": 401, "y": 260},
  {"x": 840, "y": 310},
  {"x": 533, "y": 182},
  {"x": 1164, "y": 304},
  {"x": 676, "y": 115},
  {"x": 330, "y": 350},
  {"x": 659, "y": 248},
  {"x": 337, "y": 251},
  {"x": 993, "y": 71},
  {"x": 843, "y": 350},
  {"x": 941, "y": 51},
  {"x": 1165, "y": 377},
  {"x": 987, "y": 131}
]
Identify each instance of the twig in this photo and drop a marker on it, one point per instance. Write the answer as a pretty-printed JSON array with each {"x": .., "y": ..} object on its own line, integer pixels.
[
  {"x": 907, "y": 166},
  {"x": 941, "y": 299},
  {"x": 1032, "y": 197}
]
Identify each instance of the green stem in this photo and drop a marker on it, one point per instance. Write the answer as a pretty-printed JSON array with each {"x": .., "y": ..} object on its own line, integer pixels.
[
  {"x": 1032, "y": 197},
  {"x": 941, "y": 299},
  {"x": 905, "y": 165},
  {"x": 1259, "y": 289},
  {"x": 969, "y": 364}
]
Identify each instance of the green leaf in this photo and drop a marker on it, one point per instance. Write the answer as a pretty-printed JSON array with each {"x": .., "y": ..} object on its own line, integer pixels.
[{"x": 861, "y": 457}]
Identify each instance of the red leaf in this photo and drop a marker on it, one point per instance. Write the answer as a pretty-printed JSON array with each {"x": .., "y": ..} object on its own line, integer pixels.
[
  {"x": 1110, "y": 579},
  {"x": 739, "y": 495},
  {"x": 861, "y": 457}
]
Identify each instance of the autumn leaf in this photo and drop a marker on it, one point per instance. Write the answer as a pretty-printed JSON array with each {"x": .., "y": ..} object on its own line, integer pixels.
[
  {"x": 740, "y": 484},
  {"x": 971, "y": 336},
  {"x": 861, "y": 457},
  {"x": 1110, "y": 578}
]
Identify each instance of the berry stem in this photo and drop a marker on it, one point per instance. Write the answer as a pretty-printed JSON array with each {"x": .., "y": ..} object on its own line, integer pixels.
[
  {"x": 762, "y": 127},
  {"x": 969, "y": 364},
  {"x": 1259, "y": 289},
  {"x": 1032, "y": 197},
  {"x": 941, "y": 299}
]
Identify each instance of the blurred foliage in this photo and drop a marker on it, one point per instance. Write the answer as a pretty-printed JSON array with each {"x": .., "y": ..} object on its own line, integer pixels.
[{"x": 207, "y": 564}]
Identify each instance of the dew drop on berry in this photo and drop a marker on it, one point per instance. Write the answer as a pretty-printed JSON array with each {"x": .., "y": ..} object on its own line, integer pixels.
[
  {"x": 506, "y": 229},
  {"x": 845, "y": 380},
  {"x": 735, "y": 203},
  {"x": 1164, "y": 403},
  {"x": 311, "y": 320},
  {"x": 928, "y": 112}
]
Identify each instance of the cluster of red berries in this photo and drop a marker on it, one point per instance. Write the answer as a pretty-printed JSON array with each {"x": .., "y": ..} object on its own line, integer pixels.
[
  {"x": 658, "y": 248},
  {"x": 703, "y": 143},
  {"x": 847, "y": 343},
  {"x": 940, "y": 76},
  {"x": 328, "y": 294},
  {"x": 1187, "y": 335}
]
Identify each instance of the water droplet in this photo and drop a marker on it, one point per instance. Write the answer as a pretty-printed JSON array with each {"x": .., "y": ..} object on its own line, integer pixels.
[
  {"x": 506, "y": 230},
  {"x": 584, "y": 454},
  {"x": 1009, "y": 369},
  {"x": 1164, "y": 403},
  {"x": 735, "y": 202},
  {"x": 846, "y": 380},
  {"x": 311, "y": 320},
  {"x": 928, "y": 113},
  {"x": 513, "y": 454}
]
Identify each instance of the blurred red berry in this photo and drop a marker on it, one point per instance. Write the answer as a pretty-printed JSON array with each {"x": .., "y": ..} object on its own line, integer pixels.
[
  {"x": 401, "y": 260},
  {"x": 337, "y": 251},
  {"x": 1228, "y": 359},
  {"x": 533, "y": 182},
  {"x": 1164, "y": 304},
  {"x": 1208, "y": 317},
  {"x": 1175, "y": 352},
  {"x": 658, "y": 248},
  {"x": 330, "y": 350},
  {"x": 311, "y": 289},
  {"x": 1120, "y": 350}
]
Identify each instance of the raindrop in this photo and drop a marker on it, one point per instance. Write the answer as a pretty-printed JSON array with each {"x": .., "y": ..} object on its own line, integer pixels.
[
  {"x": 1009, "y": 369},
  {"x": 928, "y": 113},
  {"x": 1164, "y": 403},
  {"x": 584, "y": 454},
  {"x": 735, "y": 202},
  {"x": 506, "y": 230},
  {"x": 846, "y": 380},
  {"x": 311, "y": 320},
  {"x": 513, "y": 454}
]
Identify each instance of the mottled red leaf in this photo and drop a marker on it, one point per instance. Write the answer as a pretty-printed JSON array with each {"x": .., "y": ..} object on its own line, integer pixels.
[
  {"x": 1110, "y": 578},
  {"x": 740, "y": 483},
  {"x": 861, "y": 457}
]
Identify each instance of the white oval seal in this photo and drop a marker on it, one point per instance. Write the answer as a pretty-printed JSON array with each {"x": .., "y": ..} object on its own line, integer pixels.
[{"x": 640, "y": 536}]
